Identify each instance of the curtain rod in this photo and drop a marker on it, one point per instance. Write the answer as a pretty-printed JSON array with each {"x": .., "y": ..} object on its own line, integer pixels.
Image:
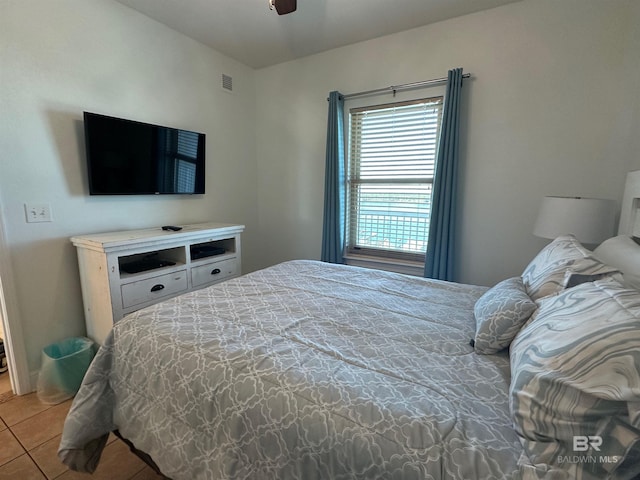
[{"x": 406, "y": 86}]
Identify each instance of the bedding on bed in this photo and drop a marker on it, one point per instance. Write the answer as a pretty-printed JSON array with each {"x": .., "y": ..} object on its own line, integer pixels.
[
  {"x": 575, "y": 364},
  {"x": 304, "y": 370},
  {"x": 575, "y": 389}
]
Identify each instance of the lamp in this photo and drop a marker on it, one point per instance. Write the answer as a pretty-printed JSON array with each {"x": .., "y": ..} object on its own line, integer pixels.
[{"x": 591, "y": 220}]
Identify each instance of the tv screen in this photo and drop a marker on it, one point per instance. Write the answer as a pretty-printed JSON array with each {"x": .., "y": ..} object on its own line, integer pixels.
[{"x": 125, "y": 157}]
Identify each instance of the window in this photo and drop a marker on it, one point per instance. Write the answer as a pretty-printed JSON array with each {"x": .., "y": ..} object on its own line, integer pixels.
[{"x": 392, "y": 152}]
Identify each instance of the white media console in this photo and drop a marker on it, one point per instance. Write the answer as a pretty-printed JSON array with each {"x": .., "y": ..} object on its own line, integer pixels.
[{"x": 121, "y": 272}]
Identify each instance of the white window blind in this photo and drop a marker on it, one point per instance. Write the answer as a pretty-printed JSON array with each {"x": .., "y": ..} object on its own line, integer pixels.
[{"x": 392, "y": 152}]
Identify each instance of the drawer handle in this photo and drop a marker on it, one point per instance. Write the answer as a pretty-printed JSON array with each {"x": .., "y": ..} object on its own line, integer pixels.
[
  {"x": 215, "y": 271},
  {"x": 157, "y": 288}
]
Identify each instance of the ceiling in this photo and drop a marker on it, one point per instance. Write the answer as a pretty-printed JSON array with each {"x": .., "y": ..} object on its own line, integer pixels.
[{"x": 249, "y": 32}]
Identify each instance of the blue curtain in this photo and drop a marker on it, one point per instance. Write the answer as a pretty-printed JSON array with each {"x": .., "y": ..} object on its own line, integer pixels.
[
  {"x": 333, "y": 224},
  {"x": 439, "y": 262}
]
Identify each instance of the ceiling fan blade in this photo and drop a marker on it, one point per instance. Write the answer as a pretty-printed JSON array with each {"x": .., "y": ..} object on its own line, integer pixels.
[{"x": 285, "y": 6}]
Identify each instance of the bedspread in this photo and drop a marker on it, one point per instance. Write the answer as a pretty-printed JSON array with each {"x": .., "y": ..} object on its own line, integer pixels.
[{"x": 304, "y": 370}]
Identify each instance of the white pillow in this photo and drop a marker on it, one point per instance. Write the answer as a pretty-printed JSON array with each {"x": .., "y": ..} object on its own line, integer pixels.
[{"x": 623, "y": 253}]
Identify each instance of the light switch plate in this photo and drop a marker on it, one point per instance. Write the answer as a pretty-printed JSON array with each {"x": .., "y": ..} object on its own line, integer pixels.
[{"x": 38, "y": 212}]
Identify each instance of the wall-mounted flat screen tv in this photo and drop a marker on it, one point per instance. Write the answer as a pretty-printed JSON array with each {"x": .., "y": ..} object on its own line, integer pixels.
[{"x": 125, "y": 157}]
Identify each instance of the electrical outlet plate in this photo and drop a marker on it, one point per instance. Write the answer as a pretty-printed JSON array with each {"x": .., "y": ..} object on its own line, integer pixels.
[{"x": 38, "y": 212}]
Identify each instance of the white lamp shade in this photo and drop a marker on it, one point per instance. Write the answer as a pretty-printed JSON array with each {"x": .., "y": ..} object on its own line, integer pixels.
[{"x": 591, "y": 220}]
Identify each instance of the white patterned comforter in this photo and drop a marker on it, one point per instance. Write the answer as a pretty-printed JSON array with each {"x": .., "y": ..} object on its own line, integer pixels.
[{"x": 304, "y": 370}]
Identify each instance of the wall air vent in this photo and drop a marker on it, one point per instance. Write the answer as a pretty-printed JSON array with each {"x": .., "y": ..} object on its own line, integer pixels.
[{"x": 227, "y": 82}]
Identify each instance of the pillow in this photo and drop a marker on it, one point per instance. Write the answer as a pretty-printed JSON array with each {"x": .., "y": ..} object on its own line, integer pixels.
[
  {"x": 623, "y": 253},
  {"x": 500, "y": 313},
  {"x": 575, "y": 384},
  {"x": 545, "y": 274}
]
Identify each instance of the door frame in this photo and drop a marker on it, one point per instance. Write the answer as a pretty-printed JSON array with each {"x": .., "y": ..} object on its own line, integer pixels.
[{"x": 12, "y": 326}]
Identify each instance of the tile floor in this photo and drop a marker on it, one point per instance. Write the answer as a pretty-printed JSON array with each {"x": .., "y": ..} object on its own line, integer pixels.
[{"x": 29, "y": 437}]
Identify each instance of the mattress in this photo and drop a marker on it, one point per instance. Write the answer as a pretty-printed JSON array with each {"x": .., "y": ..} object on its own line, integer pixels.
[{"x": 304, "y": 370}]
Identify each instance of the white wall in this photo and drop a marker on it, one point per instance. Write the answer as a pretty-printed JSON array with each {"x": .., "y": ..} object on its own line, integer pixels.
[
  {"x": 62, "y": 57},
  {"x": 553, "y": 109}
]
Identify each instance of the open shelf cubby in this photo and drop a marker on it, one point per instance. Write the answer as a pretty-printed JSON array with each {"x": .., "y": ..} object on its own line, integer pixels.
[
  {"x": 198, "y": 251},
  {"x": 146, "y": 261}
]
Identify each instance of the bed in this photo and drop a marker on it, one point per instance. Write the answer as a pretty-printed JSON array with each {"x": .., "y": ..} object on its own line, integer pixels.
[{"x": 307, "y": 370}]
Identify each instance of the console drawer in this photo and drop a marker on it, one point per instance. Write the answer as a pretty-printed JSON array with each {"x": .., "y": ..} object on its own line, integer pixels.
[
  {"x": 214, "y": 272},
  {"x": 154, "y": 288}
]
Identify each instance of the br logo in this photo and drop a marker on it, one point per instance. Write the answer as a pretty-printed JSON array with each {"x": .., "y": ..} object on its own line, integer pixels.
[{"x": 581, "y": 443}]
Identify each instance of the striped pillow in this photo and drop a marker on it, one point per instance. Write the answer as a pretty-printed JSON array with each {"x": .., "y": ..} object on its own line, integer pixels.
[
  {"x": 575, "y": 385},
  {"x": 500, "y": 313},
  {"x": 545, "y": 274}
]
